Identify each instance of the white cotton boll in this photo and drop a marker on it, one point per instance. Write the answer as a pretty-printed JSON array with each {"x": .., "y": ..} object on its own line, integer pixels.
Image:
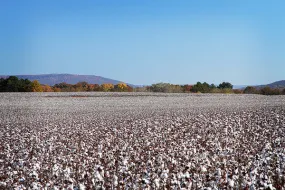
[
  {"x": 37, "y": 166},
  {"x": 34, "y": 174},
  {"x": 164, "y": 174},
  {"x": 236, "y": 171},
  {"x": 82, "y": 186},
  {"x": 98, "y": 176},
  {"x": 265, "y": 185},
  {"x": 174, "y": 182},
  {"x": 36, "y": 186},
  {"x": 55, "y": 167},
  {"x": 231, "y": 183},
  {"x": 278, "y": 171},
  {"x": 115, "y": 181},
  {"x": 187, "y": 175},
  {"x": 182, "y": 176},
  {"x": 203, "y": 169},
  {"x": 270, "y": 186},
  {"x": 67, "y": 171},
  {"x": 125, "y": 162},
  {"x": 99, "y": 187},
  {"x": 70, "y": 187},
  {"x": 156, "y": 182}
]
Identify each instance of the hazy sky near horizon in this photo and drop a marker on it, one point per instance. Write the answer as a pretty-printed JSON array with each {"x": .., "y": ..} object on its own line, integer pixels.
[{"x": 145, "y": 42}]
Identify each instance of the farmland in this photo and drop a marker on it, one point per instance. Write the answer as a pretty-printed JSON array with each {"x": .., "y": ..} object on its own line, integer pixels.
[{"x": 141, "y": 141}]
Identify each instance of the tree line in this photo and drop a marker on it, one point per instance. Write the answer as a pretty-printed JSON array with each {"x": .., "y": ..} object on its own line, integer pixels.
[
  {"x": 13, "y": 84},
  {"x": 199, "y": 87},
  {"x": 264, "y": 90},
  {"x": 224, "y": 87},
  {"x": 86, "y": 87}
]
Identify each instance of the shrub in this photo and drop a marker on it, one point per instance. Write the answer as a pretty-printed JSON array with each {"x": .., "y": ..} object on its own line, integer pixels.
[
  {"x": 227, "y": 90},
  {"x": 237, "y": 91},
  {"x": 215, "y": 90},
  {"x": 269, "y": 91},
  {"x": 250, "y": 90}
]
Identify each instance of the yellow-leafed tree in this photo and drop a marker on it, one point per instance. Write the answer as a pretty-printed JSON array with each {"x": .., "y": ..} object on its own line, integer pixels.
[
  {"x": 36, "y": 86},
  {"x": 107, "y": 87},
  {"x": 121, "y": 87}
]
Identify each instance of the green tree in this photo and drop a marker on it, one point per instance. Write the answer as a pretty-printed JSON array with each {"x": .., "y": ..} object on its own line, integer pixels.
[
  {"x": 81, "y": 86},
  {"x": 250, "y": 90},
  {"x": 269, "y": 91},
  {"x": 212, "y": 86},
  {"x": 201, "y": 87},
  {"x": 24, "y": 85},
  {"x": 12, "y": 84},
  {"x": 159, "y": 87},
  {"x": 64, "y": 87},
  {"x": 2, "y": 84},
  {"x": 225, "y": 85}
]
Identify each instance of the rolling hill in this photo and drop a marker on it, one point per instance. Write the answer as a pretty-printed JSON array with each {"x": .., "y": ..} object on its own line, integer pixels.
[
  {"x": 52, "y": 79},
  {"x": 278, "y": 84}
]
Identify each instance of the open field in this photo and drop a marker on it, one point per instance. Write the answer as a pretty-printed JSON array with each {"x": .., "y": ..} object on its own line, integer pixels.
[{"x": 141, "y": 141}]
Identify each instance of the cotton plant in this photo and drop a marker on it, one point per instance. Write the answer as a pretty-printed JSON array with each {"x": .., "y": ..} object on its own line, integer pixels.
[{"x": 103, "y": 145}]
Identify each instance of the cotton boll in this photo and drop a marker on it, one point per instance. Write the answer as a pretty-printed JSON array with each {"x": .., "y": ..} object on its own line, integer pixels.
[{"x": 203, "y": 169}]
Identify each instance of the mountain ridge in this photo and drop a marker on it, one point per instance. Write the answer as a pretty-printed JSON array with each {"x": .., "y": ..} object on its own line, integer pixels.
[
  {"x": 276, "y": 84},
  {"x": 52, "y": 79}
]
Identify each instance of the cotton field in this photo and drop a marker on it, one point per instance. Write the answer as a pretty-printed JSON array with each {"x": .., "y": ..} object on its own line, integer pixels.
[{"x": 141, "y": 141}]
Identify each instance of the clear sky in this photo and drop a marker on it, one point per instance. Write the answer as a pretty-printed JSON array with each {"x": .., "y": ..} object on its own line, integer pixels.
[{"x": 146, "y": 41}]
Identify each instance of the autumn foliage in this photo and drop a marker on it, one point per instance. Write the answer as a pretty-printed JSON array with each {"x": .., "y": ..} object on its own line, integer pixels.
[
  {"x": 13, "y": 84},
  {"x": 47, "y": 88},
  {"x": 107, "y": 87},
  {"x": 36, "y": 86},
  {"x": 121, "y": 87}
]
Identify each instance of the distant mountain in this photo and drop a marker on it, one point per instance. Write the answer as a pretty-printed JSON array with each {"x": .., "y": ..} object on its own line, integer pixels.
[
  {"x": 52, "y": 79},
  {"x": 239, "y": 86},
  {"x": 277, "y": 84}
]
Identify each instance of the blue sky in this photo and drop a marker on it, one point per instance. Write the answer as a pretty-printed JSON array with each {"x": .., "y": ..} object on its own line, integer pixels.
[{"x": 144, "y": 42}]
